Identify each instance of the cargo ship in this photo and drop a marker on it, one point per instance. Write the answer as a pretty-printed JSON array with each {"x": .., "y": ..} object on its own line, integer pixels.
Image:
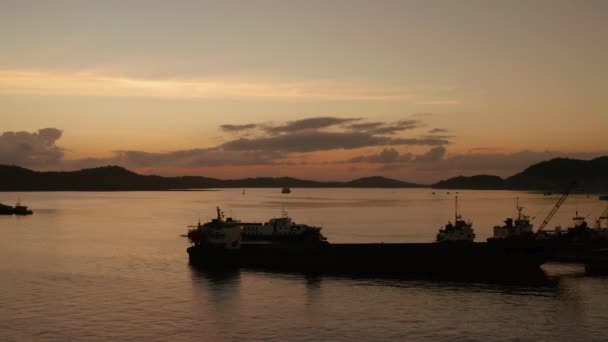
[
  {"x": 227, "y": 243},
  {"x": 576, "y": 243}
]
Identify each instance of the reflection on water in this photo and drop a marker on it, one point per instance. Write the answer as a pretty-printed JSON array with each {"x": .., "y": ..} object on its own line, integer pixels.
[
  {"x": 112, "y": 266},
  {"x": 539, "y": 285}
]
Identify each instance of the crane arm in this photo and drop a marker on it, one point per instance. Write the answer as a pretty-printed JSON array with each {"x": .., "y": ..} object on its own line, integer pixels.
[
  {"x": 603, "y": 216},
  {"x": 557, "y": 205}
]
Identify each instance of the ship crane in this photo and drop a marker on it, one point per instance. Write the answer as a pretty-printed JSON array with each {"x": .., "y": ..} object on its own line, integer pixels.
[
  {"x": 557, "y": 205},
  {"x": 603, "y": 216}
]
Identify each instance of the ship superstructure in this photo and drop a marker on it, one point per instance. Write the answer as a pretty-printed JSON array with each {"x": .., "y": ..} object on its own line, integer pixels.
[
  {"x": 233, "y": 233},
  {"x": 459, "y": 231},
  {"x": 280, "y": 229},
  {"x": 520, "y": 228}
]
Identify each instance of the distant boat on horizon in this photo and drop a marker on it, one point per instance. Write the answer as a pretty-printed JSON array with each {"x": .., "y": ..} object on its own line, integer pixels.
[
  {"x": 286, "y": 190},
  {"x": 18, "y": 209}
]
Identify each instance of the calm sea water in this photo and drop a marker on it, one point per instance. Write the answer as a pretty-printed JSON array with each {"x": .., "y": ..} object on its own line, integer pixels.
[{"x": 96, "y": 266}]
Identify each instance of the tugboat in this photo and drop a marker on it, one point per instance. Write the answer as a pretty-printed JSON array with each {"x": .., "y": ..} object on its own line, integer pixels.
[
  {"x": 460, "y": 231},
  {"x": 517, "y": 229},
  {"x": 286, "y": 190}
]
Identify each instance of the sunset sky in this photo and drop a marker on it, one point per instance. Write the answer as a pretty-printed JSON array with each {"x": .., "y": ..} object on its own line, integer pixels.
[{"x": 413, "y": 90}]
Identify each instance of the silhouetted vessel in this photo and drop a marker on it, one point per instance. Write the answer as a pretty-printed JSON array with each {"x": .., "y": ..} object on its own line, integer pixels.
[
  {"x": 603, "y": 197},
  {"x": 578, "y": 242},
  {"x": 6, "y": 209},
  {"x": 22, "y": 209},
  {"x": 227, "y": 243},
  {"x": 286, "y": 190},
  {"x": 459, "y": 231},
  {"x": 18, "y": 209},
  {"x": 518, "y": 229},
  {"x": 277, "y": 230}
]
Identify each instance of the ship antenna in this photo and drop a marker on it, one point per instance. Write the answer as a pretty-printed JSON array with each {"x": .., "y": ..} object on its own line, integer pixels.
[
  {"x": 455, "y": 209},
  {"x": 519, "y": 209}
]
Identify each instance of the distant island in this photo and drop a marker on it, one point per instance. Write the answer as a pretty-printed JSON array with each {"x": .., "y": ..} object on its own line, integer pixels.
[
  {"x": 115, "y": 178},
  {"x": 552, "y": 175}
]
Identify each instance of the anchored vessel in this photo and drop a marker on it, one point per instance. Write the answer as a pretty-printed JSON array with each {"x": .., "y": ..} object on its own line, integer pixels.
[
  {"x": 460, "y": 231},
  {"x": 286, "y": 190},
  {"x": 517, "y": 229},
  {"x": 279, "y": 230},
  {"x": 18, "y": 209},
  {"x": 224, "y": 243},
  {"x": 576, "y": 243}
]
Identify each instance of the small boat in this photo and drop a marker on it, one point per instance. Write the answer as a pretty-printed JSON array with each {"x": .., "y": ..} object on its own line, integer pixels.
[
  {"x": 603, "y": 197},
  {"x": 22, "y": 209},
  {"x": 286, "y": 190},
  {"x": 18, "y": 209},
  {"x": 6, "y": 209},
  {"x": 460, "y": 231}
]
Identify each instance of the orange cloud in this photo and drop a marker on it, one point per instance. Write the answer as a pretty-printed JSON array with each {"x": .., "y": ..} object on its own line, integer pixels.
[{"x": 96, "y": 83}]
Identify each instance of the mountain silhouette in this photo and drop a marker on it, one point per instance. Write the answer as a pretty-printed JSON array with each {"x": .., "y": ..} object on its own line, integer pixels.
[
  {"x": 554, "y": 174},
  {"x": 115, "y": 178}
]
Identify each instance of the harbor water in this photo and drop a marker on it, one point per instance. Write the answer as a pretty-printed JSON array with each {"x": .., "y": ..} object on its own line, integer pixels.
[{"x": 98, "y": 266}]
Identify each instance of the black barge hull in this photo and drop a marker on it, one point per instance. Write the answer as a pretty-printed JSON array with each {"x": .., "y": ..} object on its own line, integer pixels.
[{"x": 377, "y": 259}]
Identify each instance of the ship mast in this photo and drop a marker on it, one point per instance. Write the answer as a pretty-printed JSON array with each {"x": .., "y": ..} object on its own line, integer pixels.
[
  {"x": 455, "y": 209},
  {"x": 519, "y": 209}
]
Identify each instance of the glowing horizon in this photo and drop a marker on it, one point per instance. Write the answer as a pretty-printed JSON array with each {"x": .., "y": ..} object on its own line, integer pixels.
[{"x": 413, "y": 90}]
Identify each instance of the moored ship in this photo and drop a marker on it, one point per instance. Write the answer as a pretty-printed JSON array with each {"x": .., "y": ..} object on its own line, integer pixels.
[
  {"x": 460, "y": 231},
  {"x": 236, "y": 248},
  {"x": 276, "y": 230},
  {"x": 515, "y": 229}
]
